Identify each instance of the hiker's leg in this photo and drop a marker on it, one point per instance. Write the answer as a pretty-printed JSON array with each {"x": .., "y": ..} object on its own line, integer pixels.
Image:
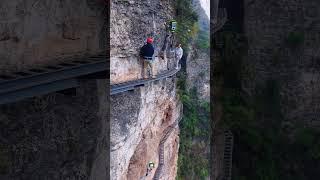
[
  {"x": 177, "y": 64},
  {"x": 142, "y": 66},
  {"x": 151, "y": 68},
  {"x": 145, "y": 69},
  {"x": 154, "y": 69}
]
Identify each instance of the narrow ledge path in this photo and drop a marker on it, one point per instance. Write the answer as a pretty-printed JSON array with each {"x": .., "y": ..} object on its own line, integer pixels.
[
  {"x": 43, "y": 80},
  {"x": 131, "y": 85}
]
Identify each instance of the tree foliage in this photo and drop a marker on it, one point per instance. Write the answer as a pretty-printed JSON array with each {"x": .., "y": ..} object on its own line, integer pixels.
[
  {"x": 186, "y": 19},
  {"x": 194, "y": 133},
  {"x": 263, "y": 150}
]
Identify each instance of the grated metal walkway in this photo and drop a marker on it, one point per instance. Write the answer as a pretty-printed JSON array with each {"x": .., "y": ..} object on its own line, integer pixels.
[
  {"x": 44, "y": 80},
  {"x": 127, "y": 86}
]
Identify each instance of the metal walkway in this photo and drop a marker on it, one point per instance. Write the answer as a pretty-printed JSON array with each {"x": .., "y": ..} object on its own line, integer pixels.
[
  {"x": 127, "y": 86},
  {"x": 40, "y": 81}
]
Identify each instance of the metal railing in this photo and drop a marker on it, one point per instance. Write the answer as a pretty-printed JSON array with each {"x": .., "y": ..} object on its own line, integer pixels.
[
  {"x": 39, "y": 81},
  {"x": 131, "y": 85}
]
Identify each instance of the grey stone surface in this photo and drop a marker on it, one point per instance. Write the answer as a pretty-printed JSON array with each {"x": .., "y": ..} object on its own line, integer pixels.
[
  {"x": 135, "y": 116},
  {"x": 39, "y": 32},
  {"x": 131, "y": 24},
  {"x": 267, "y": 24},
  {"x": 55, "y": 136}
]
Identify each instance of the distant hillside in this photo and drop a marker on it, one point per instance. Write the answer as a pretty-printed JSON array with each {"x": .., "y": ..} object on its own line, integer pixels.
[{"x": 203, "y": 18}]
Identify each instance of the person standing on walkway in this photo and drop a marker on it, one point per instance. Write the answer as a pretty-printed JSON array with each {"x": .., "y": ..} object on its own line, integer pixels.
[
  {"x": 146, "y": 53},
  {"x": 178, "y": 54}
]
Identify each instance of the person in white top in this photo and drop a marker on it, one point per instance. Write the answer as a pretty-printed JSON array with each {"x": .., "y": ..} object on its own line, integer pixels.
[{"x": 178, "y": 54}]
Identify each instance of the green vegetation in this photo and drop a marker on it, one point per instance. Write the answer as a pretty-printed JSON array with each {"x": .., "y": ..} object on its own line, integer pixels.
[
  {"x": 188, "y": 27},
  {"x": 264, "y": 149},
  {"x": 295, "y": 38},
  {"x": 202, "y": 41},
  {"x": 193, "y": 161},
  {"x": 187, "y": 20},
  {"x": 194, "y": 132}
]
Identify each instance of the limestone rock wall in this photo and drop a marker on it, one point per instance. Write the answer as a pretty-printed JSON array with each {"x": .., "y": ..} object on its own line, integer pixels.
[
  {"x": 138, "y": 121},
  {"x": 198, "y": 73},
  {"x": 267, "y": 24},
  {"x": 56, "y": 136},
  {"x": 131, "y": 23},
  {"x": 198, "y": 61},
  {"x": 139, "y": 118},
  {"x": 39, "y": 32}
]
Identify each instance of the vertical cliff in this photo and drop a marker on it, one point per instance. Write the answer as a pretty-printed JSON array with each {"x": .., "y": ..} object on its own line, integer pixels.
[
  {"x": 56, "y": 136},
  {"x": 138, "y": 122},
  {"x": 283, "y": 47},
  {"x": 194, "y": 93},
  {"x": 131, "y": 23},
  {"x": 267, "y": 95},
  {"x": 143, "y": 121},
  {"x": 198, "y": 60},
  {"x": 61, "y": 135},
  {"x": 41, "y": 32}
]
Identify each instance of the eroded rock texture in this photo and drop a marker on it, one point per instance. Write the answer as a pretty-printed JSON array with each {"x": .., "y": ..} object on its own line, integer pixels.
[
  {"x": 56, "y": 136},
  {"x": 198, "y": 72},
  {"x": 138, "y": 122},
  {"x": 131, "y": 23},
  {"x": 43, "y": 31},
  {"x": 140, "y": 118}
]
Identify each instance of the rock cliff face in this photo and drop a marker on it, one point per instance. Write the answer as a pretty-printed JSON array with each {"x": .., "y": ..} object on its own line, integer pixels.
[
  {"x": 138, "y": 121},
  {"x": 56, "y": 136},
  {"x": 131, "y": 23},
  {"x": 198, "y": 72},
  {"x": 198, "y": 62},
  {"x": 274, "y": 54},
  {"x": 141, "y": 118},
  {"x": 40, "y": 32}
]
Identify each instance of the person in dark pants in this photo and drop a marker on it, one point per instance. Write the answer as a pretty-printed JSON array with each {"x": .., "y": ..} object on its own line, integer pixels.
[{"x": 146, "y": 53}]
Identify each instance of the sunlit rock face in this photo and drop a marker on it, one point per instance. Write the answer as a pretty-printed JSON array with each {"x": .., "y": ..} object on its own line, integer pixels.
[
  {"x": 198, "y": 73},
  {"x": 138, "y": 122},
  {"x": 34, "y": 33},
  {"x": 131, "y": 23},
  {"x": 140, "y": 118}
]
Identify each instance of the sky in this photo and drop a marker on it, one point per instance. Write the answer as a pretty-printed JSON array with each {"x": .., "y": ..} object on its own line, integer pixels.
[{"x": 206, "y": 6}]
